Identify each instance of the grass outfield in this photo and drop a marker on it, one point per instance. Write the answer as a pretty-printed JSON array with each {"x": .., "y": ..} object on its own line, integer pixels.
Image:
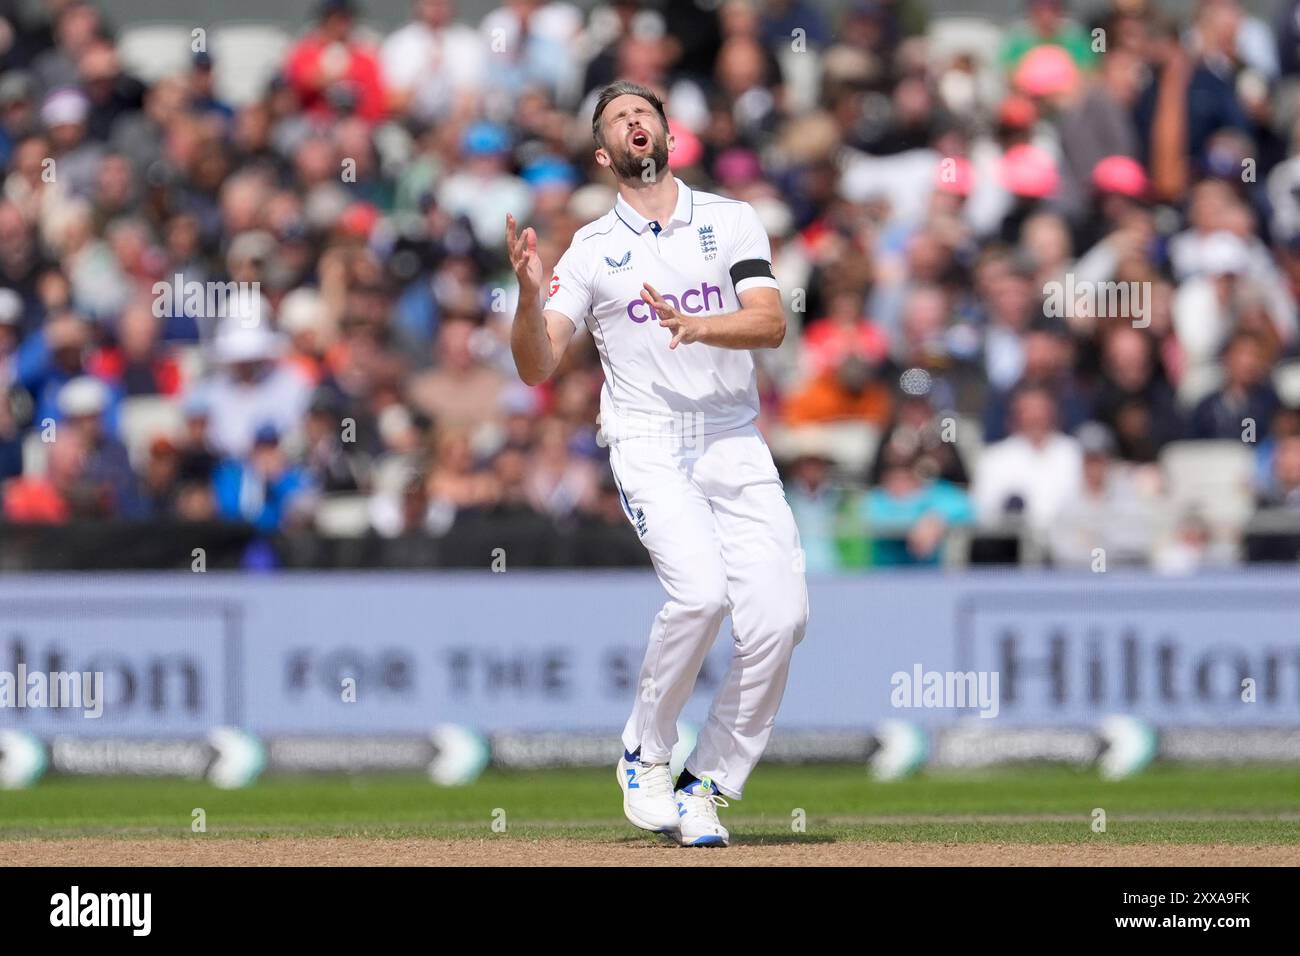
[{"x": 1166, "y": 805}]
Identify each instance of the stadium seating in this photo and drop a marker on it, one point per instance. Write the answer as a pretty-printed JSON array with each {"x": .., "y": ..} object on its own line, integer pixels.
[{"x": 154, "y": 50}]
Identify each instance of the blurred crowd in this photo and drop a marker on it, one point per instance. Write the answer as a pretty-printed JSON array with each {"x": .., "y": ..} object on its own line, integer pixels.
[{"x": 926, "y": 182}]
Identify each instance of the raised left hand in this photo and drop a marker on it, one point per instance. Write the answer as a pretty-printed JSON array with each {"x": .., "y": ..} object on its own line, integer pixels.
[{"x": 684, "y": 328}]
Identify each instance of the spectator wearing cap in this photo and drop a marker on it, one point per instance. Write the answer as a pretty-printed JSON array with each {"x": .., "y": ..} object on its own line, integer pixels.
[
  {"x": 1049, "y": 77},
  {"x": 82, "y": 404},
  {"x": 55, "y": 356},
  {"x": 1112, "y": 520},
  {"x": 251, "y": 388},
  {"x": 483, "y": 190},
  {"x": 1046, "y": 23},
  {"x": 433, "y": 67},
  {"x": 551, "y": 181},
  {"x": 1247, "y": 402},
  {"x": 1029, "y": 173},
  {"x": 333, "y": 71},
  {"x": 202, "y": 90},
  {"x": 1031, "y": 473},
  {"x": 64, "y": 114},
  {"x": 1218, "y": 254},
  {"x": 1203, "y": 304},
  {"x": 1116, "y": 224},
  {"x": 265, "y": 489},
  {"x": 1215, "y": 207},
  {"x": 911, "y": 511}
]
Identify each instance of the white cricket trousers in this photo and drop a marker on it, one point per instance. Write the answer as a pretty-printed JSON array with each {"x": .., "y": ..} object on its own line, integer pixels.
[{"x": 723, "y": 541}]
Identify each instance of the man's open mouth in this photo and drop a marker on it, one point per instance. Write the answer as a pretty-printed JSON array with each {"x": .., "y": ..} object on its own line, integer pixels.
[{"x": 639, "y": 139}]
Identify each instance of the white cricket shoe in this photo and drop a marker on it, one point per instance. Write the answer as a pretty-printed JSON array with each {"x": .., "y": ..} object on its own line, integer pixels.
[
  {"x": 647, "y": 794},
  {"x": 697, "y": 810}
]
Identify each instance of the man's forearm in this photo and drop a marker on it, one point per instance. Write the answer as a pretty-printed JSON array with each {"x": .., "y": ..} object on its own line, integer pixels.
[
  {"x": 529, "y": 342},
  {"x": 746, "y": 329}
]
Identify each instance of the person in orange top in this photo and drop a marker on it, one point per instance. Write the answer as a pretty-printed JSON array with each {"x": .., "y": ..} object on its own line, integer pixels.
[{"x": 842, "y": 356}]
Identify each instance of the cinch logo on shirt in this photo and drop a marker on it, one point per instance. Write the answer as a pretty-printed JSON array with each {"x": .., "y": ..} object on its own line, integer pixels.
[{"x": 638, "y": 310}]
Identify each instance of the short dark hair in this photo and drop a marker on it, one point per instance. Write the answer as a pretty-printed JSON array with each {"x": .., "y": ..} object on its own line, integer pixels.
[{"x": 624, "y": 88}]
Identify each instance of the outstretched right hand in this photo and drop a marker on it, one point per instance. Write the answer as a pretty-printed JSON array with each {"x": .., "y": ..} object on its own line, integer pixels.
[{"x": 524, "y": 259}]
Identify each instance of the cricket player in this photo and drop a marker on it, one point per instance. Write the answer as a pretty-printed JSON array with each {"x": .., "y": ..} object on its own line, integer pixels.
[{"x": 676, "y": 288}]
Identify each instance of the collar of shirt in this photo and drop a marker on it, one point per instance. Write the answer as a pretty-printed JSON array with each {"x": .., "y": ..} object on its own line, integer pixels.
[{"x": 683, "y": 212}]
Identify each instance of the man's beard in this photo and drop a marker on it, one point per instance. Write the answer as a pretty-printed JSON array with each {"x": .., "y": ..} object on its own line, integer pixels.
[{"x": 631, "y": 168}]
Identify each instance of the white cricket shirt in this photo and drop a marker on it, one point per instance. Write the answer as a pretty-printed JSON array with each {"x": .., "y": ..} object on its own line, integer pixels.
[{"x": 709, "y": 251}]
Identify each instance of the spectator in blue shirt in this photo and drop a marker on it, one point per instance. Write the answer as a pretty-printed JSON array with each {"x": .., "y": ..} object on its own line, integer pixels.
[
  {"x": 262, "y": 490},
  {"x": 910, "y": 512}
]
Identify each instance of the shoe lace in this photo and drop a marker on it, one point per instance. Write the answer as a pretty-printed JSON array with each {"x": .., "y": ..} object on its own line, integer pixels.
[
  {"x": 655, "y": 779},
  {"x": 706, "y": 803}
]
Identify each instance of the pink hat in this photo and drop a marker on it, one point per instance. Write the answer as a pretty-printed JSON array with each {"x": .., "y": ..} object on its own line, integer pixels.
[
  {"x": 1046, "y": 70},
  {"x": 953, "y": 175},
  {"x": 359, "y": 219},
  {"x": 1017, "y": 112},
  {"x": 1029, "y": 171},
  {"x": 1120, "y": 174},
  {"x": 688, "y": 149}
]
